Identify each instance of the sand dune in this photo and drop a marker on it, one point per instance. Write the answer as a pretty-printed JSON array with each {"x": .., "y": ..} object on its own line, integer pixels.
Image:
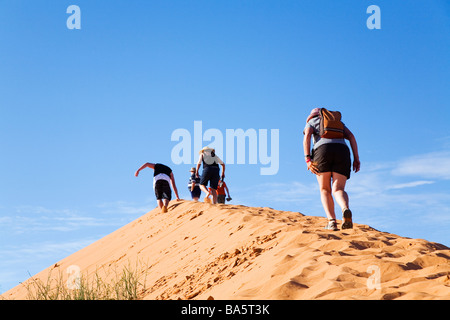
[{"x": 201, "y": 251}]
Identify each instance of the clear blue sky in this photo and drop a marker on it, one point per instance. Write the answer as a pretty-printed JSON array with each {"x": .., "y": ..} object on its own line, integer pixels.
[{"x": 81, "y": 110}]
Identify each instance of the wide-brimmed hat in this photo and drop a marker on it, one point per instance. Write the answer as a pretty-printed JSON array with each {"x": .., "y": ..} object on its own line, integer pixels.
[
  {"x": 192, "y": 169},
  {"x": 206, "y": 148}
]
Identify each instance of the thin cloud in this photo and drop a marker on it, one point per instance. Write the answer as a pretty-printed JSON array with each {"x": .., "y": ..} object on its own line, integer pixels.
[
  {"x": 410, "y": 184},
  {"x": 382, "y": 198},
  {"x": 32, "y": 250},
  {"x": 127, "y": 208},
  {"x": 434, "y": 165},
  {"x": 25, "y": 219}
]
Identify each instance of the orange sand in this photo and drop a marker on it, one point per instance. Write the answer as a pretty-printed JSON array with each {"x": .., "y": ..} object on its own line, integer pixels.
[{"x": 199, "y": 251}]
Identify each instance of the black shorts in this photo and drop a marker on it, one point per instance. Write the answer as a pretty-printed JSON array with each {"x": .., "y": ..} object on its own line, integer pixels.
[
  {"x": 211, "y": 175},
  {"x": 196, "y": 192},
  {"x": 333, "y": 157},
  {"x": 162, "y": 190},
  {"x": 221, "y": 198}
]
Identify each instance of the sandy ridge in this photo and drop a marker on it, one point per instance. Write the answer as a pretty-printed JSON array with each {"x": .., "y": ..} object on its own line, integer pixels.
[{"x": 201, "y": 251}]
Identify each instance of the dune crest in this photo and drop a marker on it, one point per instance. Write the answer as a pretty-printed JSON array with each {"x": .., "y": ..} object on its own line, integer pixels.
[{"x": 199, "y": 251}]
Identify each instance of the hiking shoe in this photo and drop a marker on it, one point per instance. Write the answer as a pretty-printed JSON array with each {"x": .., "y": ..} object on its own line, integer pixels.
[
  {"x": 347, "y": 219},
  {"x": 332, "y": 225}
]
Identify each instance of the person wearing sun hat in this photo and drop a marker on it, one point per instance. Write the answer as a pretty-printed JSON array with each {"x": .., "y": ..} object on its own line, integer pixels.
[
  {"x": 210, "y": 173},
  {"x": 194, "y": 185}
]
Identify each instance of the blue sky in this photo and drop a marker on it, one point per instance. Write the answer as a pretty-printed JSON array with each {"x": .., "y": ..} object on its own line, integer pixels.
[{"x": 81, "y": 110}]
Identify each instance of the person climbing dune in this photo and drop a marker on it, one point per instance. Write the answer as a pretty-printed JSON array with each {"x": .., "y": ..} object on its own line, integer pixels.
[
  {"x": 194, "y": 185},
  {"x": 162, "y": 179},
  {"x": 330, "y": 161},
  {"x": 222, "y": 191},
  {"x": 211, "y": 172}
]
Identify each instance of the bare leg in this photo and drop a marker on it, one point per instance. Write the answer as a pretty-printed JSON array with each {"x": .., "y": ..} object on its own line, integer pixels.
[
  {"x": 162, "y": 204},
  {"x": 339, "y": 193},
  {"x": 326, "y": 197},
  {"x": 214, "y": 195},
  {"x": 341, "y": 197},
  {"x": 204, "y": 189}
]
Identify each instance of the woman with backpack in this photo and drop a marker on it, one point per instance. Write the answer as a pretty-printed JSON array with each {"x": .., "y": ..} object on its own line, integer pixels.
[{"x": 330, "y": 161}]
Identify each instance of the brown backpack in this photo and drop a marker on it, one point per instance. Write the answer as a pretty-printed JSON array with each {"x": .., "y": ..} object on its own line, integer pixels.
[{"x": 331, "y": 126}]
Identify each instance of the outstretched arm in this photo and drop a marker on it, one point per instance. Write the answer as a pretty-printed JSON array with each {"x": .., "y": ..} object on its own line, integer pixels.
[
  {"x": 145, "y": 165},
  {"x": 200, "y": 158},
  {"x": 227, "y": 190},
  {"x": 174, "y": 186},
  {"x": 351, "y": 138},
  {"x": 223, "y": 170}
]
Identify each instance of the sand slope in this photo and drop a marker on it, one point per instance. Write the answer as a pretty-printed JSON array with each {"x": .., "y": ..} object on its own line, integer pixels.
[{"x": 198, "y": 251}]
